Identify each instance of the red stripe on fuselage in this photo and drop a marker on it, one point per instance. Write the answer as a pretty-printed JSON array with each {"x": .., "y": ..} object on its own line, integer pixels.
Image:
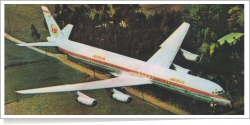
[{"x": 152, "y": 77}]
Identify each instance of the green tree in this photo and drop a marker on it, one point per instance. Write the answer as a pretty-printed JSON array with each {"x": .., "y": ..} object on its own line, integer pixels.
[
  {"x": 236, "y": 20},
  {"x": 57, "y": 9}
]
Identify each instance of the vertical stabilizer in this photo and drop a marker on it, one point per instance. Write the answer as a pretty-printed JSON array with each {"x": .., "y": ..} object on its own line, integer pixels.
[{"x": 54, "y": 29}]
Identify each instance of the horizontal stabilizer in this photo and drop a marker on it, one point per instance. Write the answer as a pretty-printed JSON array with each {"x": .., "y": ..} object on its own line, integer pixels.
[
  {"x": 67, "y": 30},
  {"x": 38, "y": 44},
  {"x": 102, "y": 84}
]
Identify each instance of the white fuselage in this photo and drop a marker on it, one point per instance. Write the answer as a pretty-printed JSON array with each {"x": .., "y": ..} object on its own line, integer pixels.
[{"x": 172, "y": 80}]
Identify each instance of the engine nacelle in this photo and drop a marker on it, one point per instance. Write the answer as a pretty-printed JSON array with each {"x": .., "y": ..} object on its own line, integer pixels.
[
  {"x": 181, "y": 69},
  {"x": 84, "y": 99},
  {"x": 190, "y": 56},
  {"x": 50, "y": 39},
  {"x": 117, "y": 95}
]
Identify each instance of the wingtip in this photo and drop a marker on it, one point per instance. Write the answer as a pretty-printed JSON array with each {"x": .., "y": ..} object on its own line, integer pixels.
[
  {"x": 23, "y": 92},
  {"x": 21, "y": 44},
  {"x": 19, "y": 92},
  {"x": 186, "y": 23}
]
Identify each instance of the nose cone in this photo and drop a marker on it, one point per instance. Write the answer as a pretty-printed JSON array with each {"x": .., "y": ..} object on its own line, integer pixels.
[
  {"x": 229, "y": 104},
  {"x": 229, "y": 101}
]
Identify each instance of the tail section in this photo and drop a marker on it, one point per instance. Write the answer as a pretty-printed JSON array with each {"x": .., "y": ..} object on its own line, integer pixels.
[
  {"x": 56, "y": 34},
  {"x": 54, "y": 29}
]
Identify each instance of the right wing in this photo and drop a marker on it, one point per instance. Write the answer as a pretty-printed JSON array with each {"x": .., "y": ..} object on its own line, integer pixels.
[
  {"x": 120, "y": 81},
  {"x": 169, "y": 48}
]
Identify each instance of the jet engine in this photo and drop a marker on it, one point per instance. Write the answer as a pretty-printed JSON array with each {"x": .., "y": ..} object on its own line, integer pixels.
[
  {"x": 190, "y": 56},
  {"x": 117, "y": 95},
  {"x": 181, "y": 69},
  {"x": 84, "y": 99}
]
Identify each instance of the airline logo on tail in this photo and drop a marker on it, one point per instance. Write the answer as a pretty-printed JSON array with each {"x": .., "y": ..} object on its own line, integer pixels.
[
  {"x": 46, "y": 11},
  {"x": 54, "y": 30}
]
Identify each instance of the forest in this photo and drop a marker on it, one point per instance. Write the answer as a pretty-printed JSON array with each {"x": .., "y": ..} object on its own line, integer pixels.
[{"x": 127, "y": 30}]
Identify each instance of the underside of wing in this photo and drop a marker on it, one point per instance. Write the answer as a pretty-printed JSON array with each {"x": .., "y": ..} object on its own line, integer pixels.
[
  {"x": 169, "y": 48},
  {"x": 120, "y": 81}
]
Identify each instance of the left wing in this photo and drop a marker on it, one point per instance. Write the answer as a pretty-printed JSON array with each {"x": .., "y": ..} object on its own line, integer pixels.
[{"x": 123, "y": 80}]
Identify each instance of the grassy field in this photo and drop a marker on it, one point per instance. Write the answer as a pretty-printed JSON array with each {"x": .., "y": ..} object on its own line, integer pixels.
[
  {"x": 48, "y": 71},
  {"x": 18, "y": 20}
]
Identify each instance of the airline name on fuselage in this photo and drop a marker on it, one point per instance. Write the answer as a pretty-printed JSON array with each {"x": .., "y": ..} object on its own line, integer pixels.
[
  {"x": 99, "y": 57},
  {"x": 177, "y": 80}
]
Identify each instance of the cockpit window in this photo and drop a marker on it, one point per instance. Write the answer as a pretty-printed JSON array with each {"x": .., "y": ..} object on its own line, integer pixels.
[
  {"x": 221, "y": 92},
  {"x": 218, "y": 92}
]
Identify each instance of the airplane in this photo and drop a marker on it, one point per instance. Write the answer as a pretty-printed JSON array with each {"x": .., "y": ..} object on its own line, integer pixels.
[{"x": 128, "y": 71}]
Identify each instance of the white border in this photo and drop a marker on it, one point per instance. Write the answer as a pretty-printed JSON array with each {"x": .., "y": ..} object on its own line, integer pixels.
[{"x": 246, "y": 3}]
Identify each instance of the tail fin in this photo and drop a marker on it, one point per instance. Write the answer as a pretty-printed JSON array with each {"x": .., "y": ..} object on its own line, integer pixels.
[
  {"x": 54, "y": 29},
  {"x": 56, "y": 34}
]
